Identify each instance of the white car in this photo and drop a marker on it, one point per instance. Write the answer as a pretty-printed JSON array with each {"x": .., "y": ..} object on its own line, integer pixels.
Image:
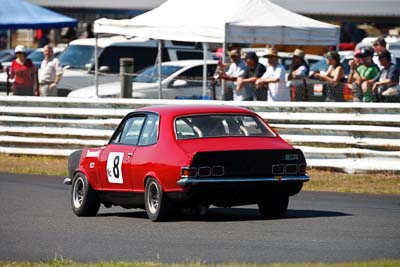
[{"x": 180, "y": 79}]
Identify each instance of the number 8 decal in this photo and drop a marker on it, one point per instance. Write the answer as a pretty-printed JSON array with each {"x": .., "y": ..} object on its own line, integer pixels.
[{"x": 114, "y": 164}]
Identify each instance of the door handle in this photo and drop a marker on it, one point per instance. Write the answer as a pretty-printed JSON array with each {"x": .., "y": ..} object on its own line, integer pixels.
[{"x": 130, "y": 154}]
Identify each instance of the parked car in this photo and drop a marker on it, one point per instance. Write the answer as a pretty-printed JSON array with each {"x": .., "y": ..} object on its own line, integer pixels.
[
  {"x": 78, "y": 59},
  {"x": 182, "y": 78},
  {"x": 392, "y": 43},
  {"x": 191, "y": 156}
]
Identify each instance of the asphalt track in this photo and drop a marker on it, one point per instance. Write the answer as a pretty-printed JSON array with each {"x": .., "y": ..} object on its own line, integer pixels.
[{"x": 37, "y": 223}]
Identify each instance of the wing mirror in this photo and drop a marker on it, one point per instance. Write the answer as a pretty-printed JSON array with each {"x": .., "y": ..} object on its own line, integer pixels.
[{"x": 179, "y": 83}]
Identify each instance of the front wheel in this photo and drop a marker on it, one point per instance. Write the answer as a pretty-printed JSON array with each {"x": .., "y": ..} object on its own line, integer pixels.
[
  {"x": 274, "y": 206},
  {"x": 157, "y": 205},
  {"x": 84, "y": 200}
]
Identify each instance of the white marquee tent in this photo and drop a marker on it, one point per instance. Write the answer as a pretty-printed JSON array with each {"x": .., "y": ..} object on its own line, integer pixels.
[
  {"x": 224, "y": 21},
  {"x": 219, "y": 21}
]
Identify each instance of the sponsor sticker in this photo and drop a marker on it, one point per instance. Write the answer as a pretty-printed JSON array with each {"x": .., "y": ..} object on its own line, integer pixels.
[{"x": 93, "y": 154}]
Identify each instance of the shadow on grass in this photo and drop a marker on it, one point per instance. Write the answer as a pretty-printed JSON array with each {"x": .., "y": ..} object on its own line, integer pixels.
[{"x": 233, "y": 214}]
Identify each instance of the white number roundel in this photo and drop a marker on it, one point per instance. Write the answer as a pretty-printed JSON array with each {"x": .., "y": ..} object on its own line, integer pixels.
[{"x": 114, "y": 171}]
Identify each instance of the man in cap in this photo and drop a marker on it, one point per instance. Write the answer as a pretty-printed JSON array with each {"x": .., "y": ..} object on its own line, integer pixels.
[
  {"x": 386, "y": 83},
  {"x": 299, "y": 68},
  {"x": 245, "y": 87},
  {"x": 50, "y": 73},
  {"x": 236, "y": 69},
  {"x": 380, "y": 46},
  {"x": 275, "y": 78}
]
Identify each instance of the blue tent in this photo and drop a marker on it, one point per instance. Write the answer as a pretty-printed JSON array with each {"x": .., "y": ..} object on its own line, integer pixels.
[{"x": 18, "y": 14}]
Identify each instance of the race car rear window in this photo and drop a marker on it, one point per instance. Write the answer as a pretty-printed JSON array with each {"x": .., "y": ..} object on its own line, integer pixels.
[{"x": 220, "y": 125}]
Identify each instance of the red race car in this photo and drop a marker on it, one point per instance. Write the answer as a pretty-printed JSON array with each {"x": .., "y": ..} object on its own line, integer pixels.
[{"x": 166, "y": 158}]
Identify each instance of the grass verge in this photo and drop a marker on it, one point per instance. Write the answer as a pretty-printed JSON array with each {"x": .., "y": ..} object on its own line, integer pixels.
[
  {"x": 380, "y": 183},
  {"x": 63, "y": 263}
]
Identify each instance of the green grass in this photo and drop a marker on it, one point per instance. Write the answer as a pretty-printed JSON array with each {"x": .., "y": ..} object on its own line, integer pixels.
[
  {"x": 379, "y": 183},
  {"x": 63, "y": 263}
]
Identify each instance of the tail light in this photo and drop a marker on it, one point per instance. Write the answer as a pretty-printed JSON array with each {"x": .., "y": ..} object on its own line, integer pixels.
[
  {"x": 188, "y": 172},
  {"x": 291, "y": 168},
  {"x": 218, "y": 171},
  {"x": 302, "y": 168},
  {"x": 205, "y": 171},
  {"x": 278, "y": 169}
]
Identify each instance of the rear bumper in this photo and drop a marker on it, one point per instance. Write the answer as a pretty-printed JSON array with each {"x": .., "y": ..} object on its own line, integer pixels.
[{"x": 222, "y": 180}]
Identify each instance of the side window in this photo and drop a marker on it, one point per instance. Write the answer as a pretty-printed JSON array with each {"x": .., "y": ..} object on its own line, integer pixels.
[
  {"x": 194, "y": 76},
  {"x": 129, "y": 135},
  {"x": 150, "y": 131}
]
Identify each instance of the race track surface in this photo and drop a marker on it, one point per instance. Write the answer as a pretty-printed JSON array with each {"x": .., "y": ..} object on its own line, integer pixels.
[{"x": 37, "y": 223}]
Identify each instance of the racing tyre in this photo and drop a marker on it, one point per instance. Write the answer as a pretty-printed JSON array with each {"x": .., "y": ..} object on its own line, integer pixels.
[
  {"x": 157, "y": 205},
  {"x": 84, "y": 200},
  {"x": 274, "y": 206}
]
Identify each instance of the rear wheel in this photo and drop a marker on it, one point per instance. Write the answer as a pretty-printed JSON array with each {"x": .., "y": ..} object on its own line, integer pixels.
[
  {"x": 274, "y": 206},
  {"x": 157, "y": 205},
  {"x": 84, "y": 200}
]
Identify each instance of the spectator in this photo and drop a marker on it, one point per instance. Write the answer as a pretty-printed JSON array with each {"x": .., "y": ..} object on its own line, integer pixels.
[
  {"x": 354, "y": 78},
  {"x": 236, "y": 69},
  {"x": 380, "y": 46},
  {"x": 24, "y": 73},
  {"x": 245, "y": 86},
  {"x": 274, "y": 77},
  {"x": 334, "y": 77},
  {"x": 50, "y": 73},
  {"x": 385, "y": 84},
  {"x": 70, "y": 35},
  {"x": 299, "y": 68},
  {"x": 88, "y": 33},
  {"x": 368, "y": 71}
]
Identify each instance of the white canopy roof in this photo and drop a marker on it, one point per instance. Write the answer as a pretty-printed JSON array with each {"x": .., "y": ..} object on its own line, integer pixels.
[{"x": 218, "y": 21}]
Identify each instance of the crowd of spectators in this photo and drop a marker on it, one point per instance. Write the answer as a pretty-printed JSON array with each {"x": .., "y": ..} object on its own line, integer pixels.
[{"x": 373, "y": 76}]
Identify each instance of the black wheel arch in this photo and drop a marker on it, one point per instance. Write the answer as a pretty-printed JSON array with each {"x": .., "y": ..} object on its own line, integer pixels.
[{"x": 73, "y": 162}]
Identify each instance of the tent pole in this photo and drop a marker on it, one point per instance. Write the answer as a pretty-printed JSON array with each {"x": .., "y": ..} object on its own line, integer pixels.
[
  {"x": 96, "y": 65},
  {"x": 205, "y": 49},
  {"x": 223, "y": 62},
  {"x": 9, "y": 39},
  {"x": 159, "y": 59}
]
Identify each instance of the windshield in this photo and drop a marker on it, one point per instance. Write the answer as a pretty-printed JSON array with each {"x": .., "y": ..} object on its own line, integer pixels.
[
  {"x": 36, "y": 56},
  {"x": 78, "y": 56},
  {"x": 220, "y": 125},
  {"x": 150, "y": 74}
]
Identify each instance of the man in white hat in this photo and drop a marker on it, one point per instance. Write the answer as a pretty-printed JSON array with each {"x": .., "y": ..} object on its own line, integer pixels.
[
  {"x": 274, "y": 77},
  {"x": 236, "y": 69},
  {"x": 299, "y": 68}
]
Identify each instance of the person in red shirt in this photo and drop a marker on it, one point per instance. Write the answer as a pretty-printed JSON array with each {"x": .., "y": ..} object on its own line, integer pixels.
[{"x": 24, "y": 73}]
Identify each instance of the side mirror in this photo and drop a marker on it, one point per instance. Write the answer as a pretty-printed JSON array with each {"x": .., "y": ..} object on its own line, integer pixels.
[
  {"x": 104, "y": 69},
  {"x": 179, "y": 83}
]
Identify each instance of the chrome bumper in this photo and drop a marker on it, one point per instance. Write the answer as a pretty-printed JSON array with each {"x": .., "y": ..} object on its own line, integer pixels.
[{"x": 215, "y": 180}]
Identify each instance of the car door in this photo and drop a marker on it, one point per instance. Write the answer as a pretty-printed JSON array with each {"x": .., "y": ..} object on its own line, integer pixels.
[{"x": 115, "y": 169}]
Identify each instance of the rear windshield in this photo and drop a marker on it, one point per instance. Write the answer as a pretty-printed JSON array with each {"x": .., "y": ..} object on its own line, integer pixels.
[{"x": 220, "y": 125}]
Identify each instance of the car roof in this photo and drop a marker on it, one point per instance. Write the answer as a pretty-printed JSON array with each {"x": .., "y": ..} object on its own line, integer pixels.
[
  {"x": 114, "y": 40},
  {"x": 194, "y": 109},
  {"x": 188, "y": 63}
]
